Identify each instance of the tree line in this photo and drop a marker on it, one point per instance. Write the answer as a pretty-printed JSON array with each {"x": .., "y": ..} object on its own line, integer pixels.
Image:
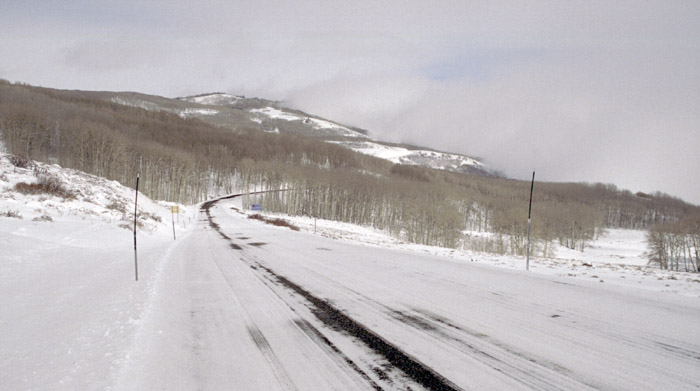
[{"x": 676, "y": 245}]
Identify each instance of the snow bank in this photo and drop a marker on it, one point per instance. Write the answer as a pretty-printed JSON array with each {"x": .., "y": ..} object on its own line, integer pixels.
[
  {"x": 70, "y": 308},
  {"x": 94, "y": 197}
]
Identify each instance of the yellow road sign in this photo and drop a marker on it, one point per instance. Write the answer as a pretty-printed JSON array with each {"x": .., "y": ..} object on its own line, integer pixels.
[{"x": 175, "y": 209}]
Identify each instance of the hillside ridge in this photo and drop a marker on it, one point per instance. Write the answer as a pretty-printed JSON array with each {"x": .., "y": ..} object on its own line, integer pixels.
[{"x": 228, "y": 110}]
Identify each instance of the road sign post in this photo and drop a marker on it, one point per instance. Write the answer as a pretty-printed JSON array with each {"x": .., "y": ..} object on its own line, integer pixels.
[{"x": 174, "y": 210}]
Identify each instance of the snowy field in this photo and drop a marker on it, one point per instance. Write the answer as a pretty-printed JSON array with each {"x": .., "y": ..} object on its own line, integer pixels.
[
  {"x": 234, "y": 303},
  {"x": 617, "y": 257}
]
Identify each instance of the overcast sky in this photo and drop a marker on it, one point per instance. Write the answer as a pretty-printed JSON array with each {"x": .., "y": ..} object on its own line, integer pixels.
[{"x": 596, "y": 91}]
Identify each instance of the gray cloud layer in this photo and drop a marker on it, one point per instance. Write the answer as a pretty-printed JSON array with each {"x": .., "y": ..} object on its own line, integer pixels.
[{"x": 580, "y": 91}]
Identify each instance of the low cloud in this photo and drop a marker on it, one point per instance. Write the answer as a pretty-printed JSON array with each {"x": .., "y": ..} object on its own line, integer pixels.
[{"x": 629, "y": 121}]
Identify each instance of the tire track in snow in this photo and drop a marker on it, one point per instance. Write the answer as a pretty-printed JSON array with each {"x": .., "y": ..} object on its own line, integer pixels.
[
  {"x": 257, "y": 336},
  {"x": 516, "y": 365},
  {"x": 508, "y": 362},
  {"x": 307, "y": 328},
  {"x": 682, "y": 352},
  {"x": 335, "y": 319},
  {"x": 271, "y": 357},
  {"x": 573, "y": 324},
  {"x": 316, "y": 335}
]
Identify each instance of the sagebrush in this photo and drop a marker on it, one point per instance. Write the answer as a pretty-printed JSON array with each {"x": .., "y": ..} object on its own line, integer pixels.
[{"x": 46, "y": 184}]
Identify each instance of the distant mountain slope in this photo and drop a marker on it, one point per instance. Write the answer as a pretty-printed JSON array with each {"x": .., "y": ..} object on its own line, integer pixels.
[
  {"x": 237, "y": 112},
  {"x": 312, "y": 125},
  {"x": 418, "y": 157}
]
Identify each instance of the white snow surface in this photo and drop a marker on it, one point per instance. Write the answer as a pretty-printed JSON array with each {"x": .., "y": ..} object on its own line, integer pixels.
[
  {"x": 70, "y": 309},
  {"x": 316, "y": 123},
  {"x": 215, "y": 99},
  {"x": 614, "y": 246},
  {"x": 186, "y": 113},
  {"x": 617, "y": 257},
  {"x": 211, "y": 310},
  {"x": 400, "y": 155},
  {"x": 142, "y": 104},
  {"x": 271, "y": 112}
]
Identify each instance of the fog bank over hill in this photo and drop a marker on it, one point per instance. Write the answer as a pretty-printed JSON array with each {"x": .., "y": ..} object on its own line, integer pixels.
[{"x": 613, "y": 129}]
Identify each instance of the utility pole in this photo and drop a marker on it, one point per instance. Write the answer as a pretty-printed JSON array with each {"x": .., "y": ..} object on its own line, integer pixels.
[{"x": 529, "y": 213}]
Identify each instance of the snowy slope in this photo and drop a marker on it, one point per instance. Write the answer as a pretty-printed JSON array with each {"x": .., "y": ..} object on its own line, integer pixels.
[
  {"x": 69, "y": 306},
  {"x": 216, "y": 99},
  {"x": 197, "y": 112},
  {"x": 233, "y": 111},
  {"x": 419, "y": 157},
  {"x": 315, "y": 123},
  {"x": 94, "y": 198}
]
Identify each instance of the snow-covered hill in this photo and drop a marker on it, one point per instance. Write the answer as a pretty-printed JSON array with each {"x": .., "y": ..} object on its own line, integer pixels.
[{"x": 234, "y": 111}]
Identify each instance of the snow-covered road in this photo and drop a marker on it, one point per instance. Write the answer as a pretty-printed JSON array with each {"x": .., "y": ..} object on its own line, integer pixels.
[
  {"x": 234, "y": 303},
  {"x": 245, "y": 305}
]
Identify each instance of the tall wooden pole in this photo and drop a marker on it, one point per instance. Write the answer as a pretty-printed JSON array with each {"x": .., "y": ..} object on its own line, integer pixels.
[
  {"x": 136, "y": 208},
  {"x": 172, "y": 214},
  {"x": 529, "y": 214}
]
